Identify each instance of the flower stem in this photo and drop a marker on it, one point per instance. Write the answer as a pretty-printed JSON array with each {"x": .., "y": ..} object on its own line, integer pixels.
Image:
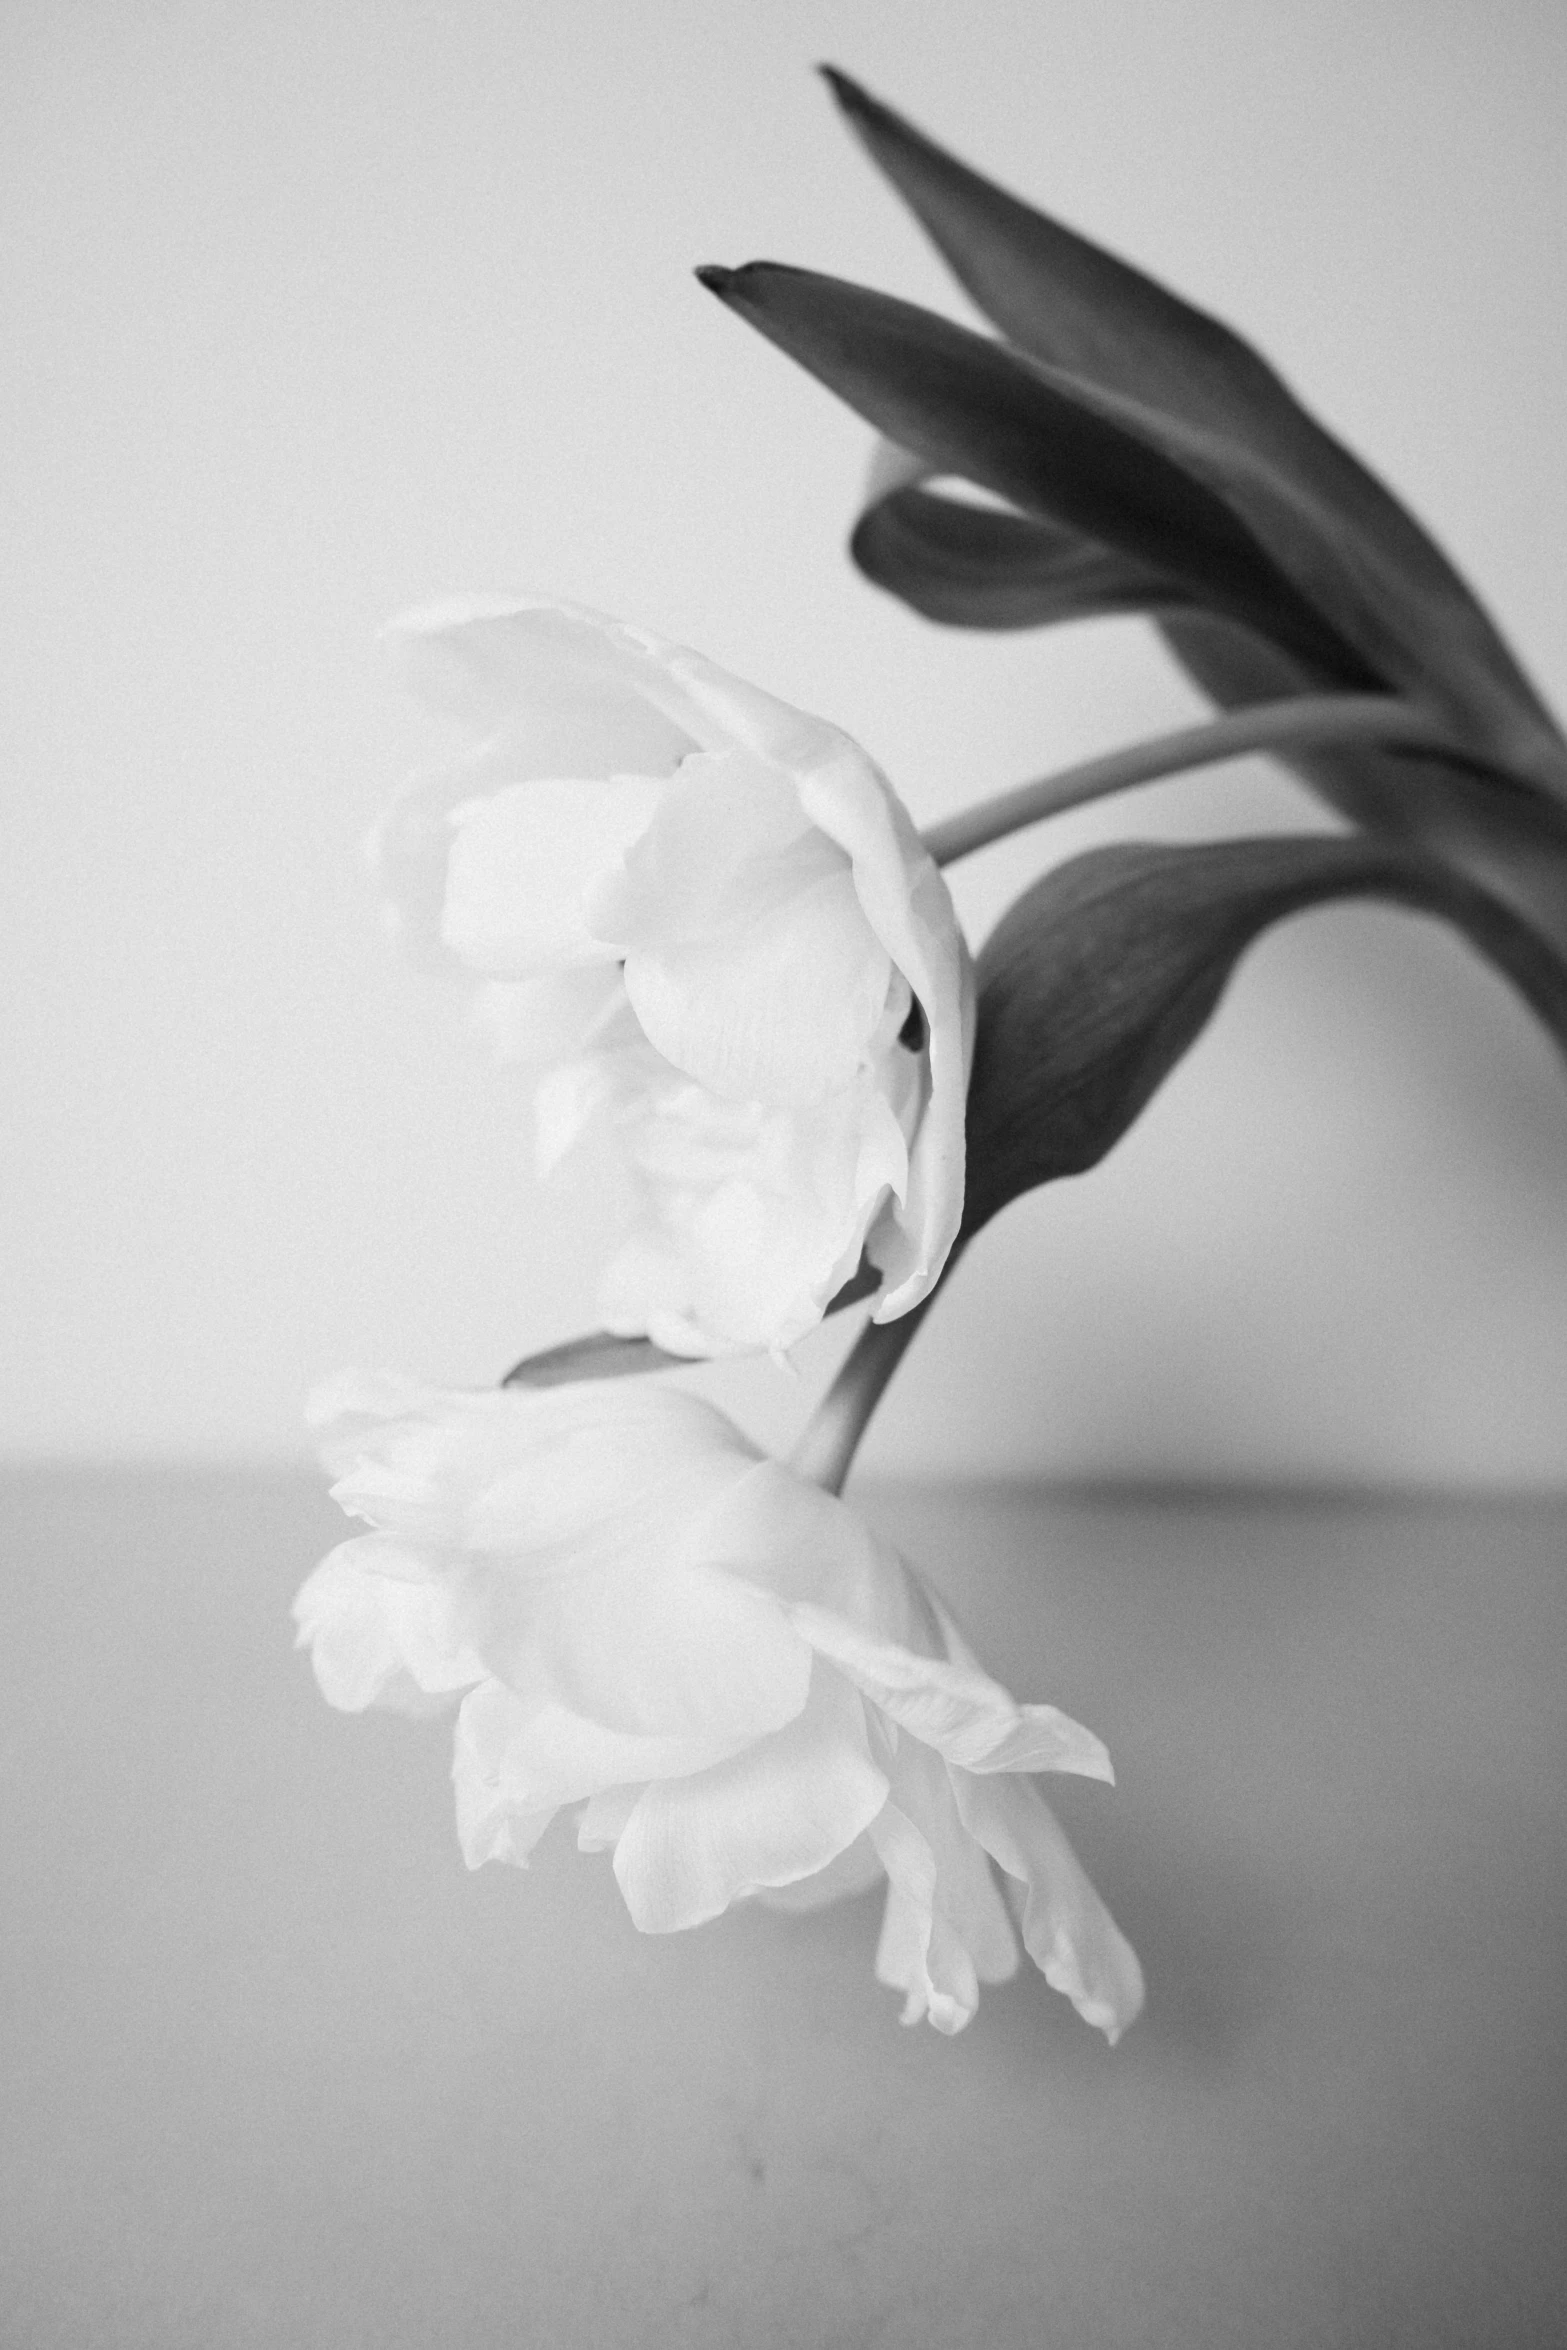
[
  {"x": 1296, "y": 724},
  {"x": 833, "y": 1432}
]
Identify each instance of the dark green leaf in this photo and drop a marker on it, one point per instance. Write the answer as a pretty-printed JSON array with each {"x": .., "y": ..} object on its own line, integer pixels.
[
  {"x": 598, "y": 1355},
  {"x": 1079, "y": 310},
  {"x": 1065, "y": 452},
  {"x": 1102, "y": 975},
  {"x": 974, "y": 567},
  {"x": 1509, "y": 841}
]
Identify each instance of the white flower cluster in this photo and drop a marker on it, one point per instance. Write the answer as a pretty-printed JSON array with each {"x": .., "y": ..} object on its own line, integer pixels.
[{"x": 711, "y": 922}]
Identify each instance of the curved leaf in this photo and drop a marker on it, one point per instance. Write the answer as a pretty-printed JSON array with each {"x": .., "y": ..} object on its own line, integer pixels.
[
  {"x": 1103, "y": 974},
  {"x": 1075, "y": 308},
  {"x": 1509, "y": 842},
  {"x": 973, "y": 567},
  {"x": 1066, "y": 452}
]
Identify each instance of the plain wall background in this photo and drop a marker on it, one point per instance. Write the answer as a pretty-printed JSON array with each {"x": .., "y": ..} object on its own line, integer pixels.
[{"x": 316, "y": 312}]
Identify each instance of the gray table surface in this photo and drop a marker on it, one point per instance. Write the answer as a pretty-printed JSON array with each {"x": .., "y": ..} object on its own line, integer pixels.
[{"x": 277, "y": 2070}]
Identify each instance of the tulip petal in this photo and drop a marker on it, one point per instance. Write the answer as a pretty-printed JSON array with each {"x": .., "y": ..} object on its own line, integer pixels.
[
  {"x": 499, "y": 1471},
  {"x": 577, "y": 691},
  {"x": 520, "y": 862},
  {"x": 686, "y": 1652},
  {"x": 961, "y": 1712},
  {"x": 815, "y": 1553},
  {"x": 748, "y": 960},
  {"x": 946, "y": 1928},
  {"x": 407, "y": 848},
  {"x": 565, "y": 1103},
  {"x": 379, "y": 1640},
  {"x": 779, "y": 1811},
  {"x": 604, "y": 1816},
  {"x": 909, "y": 907},
  {"x": 733, "y": 712},
  {"x": 491, "y": 1828},
  {"x": 855, "y": 1871},
  {"x": 919, "y": 1953},
  {"x": 1067, "y": 1930},
  {"x": 342, "y": 1411},
  {"x": 537, "y": 1754},
  {"x": 571, "y": 1511},
  {"x": 727, "y": 842},
  {"x": 781, "y": 1012},
  {"x": 751, "y": 1218},
  {"x": 551, "y": 1017},
  {"x": 967, "y": 1895}
]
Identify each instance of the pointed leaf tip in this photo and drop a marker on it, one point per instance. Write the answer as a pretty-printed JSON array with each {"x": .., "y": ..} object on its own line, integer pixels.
[
  {"x": 714, "y": 276},
  {"x": 848, "y": 92},
  {"x": 1106, "y": 332}
]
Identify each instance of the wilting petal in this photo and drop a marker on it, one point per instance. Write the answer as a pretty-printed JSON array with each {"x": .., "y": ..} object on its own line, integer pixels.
[
  {"x": 779, "y": 1811},
  {"x": 1067, "y": 1930},
  {"x": 966, "y": 1716}
]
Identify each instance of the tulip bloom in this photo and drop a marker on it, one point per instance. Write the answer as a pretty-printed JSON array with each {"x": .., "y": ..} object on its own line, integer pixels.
[
  {"x": 712, "y": 921},
  {"x": 738, "y": 1687}
]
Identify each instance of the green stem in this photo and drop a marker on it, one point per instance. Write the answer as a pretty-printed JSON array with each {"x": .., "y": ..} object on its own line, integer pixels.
[
  {"x": 1299, "y": 723},
  {"x": 833, "y": 1433}
]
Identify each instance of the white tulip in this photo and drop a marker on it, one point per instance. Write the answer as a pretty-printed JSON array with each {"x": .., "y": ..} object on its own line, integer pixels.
[
  {"x": 708, "y": 913},
  {"x": 740, "y": 1688}
]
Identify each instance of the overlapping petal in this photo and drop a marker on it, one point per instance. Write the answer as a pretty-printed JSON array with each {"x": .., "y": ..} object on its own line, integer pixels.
[
  {"x": 751, "y": 1217},
  {"x": 1067, "y": 1930},
  {"x": 383, "y": 1639},
  {"x": 968, "y": 1718},
  {"x": 946, "y": 1928},
  {"x": 779, "y": 1811}
]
